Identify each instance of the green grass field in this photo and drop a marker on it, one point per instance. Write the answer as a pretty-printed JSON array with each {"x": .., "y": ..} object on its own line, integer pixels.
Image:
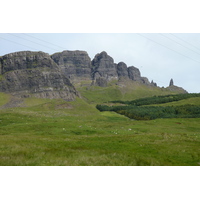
[
  {"x": 127, "y": 91},
  {"x": 55, "y": 132}
]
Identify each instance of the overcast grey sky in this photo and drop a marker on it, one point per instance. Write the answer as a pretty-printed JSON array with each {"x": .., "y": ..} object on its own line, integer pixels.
[
  {"x": 114, "y": 27},
  {"x": 159, "y": 56}
]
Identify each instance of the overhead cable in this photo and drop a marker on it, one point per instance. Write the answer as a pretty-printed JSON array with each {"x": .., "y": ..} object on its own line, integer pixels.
[
  {"x": 179, "y": 43},
  {"x": 33, "y": 42},
  {"x": 43, "y": 40},
  {"x": 185, "y": 41},
  {"x": 19, "y": 43},
  {"x": 168, "y": 48}
]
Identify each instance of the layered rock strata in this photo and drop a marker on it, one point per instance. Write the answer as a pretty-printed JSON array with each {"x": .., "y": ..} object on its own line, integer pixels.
[
  {"x": 74, "y": 64},
  {"x": 34, "y": 74},
  {"x": 38, "y": 74}
]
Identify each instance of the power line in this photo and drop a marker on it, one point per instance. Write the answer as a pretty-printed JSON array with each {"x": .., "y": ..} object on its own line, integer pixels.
[
  {"x": 168, "y": 48},
  {"x": 33, "y": 42},
  {"x": 19, "y": 43},
  {"x": 179, "y": 43},
  {"x": 185, "y": 41},
  {"x": 43, "y": 40}
]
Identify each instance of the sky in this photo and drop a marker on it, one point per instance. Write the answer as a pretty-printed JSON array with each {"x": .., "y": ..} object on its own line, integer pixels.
[
  {"x": 137, "y": 32},
  {"x": 159, "y": 56}
]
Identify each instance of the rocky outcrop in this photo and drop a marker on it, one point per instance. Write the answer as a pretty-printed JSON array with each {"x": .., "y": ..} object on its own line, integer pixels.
[
  {"x": 153, "y": 84},
  {"x": 34, "y": 74},
  {"x": 122, "y": 70},
  {"x": 171, "y": 83},
  {"x": 77, "y": 66},
  {"x": 74, "y": 64},
  {"x": 134, "y": 73},
  {"x": 105, "y": 70},
  {"x": 175, "y": 88},
  {"x": 100, "y": 81},
  {"x": 104, "y": 67},
  {"x": 38, "y": 74},
  {"x": 26, "y": 60}
]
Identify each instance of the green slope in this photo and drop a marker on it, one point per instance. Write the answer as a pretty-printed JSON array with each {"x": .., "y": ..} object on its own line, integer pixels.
[
  {"x": 128, "y": 90},
  {"x": 56, "y": 132},
  {"x": 190, "y": 101},
  {"x": 4, "y": 98}
]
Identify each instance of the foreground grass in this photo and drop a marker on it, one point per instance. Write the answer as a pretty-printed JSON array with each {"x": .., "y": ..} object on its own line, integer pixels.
[{"x": 55, "y": 132}]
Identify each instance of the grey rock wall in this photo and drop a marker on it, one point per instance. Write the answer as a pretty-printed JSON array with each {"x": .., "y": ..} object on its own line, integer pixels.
[
  {"x": 34, "y": 73},
  {"x": 74, "y": 64},
  {"x": 104, "y": 66},
  {"x": 37, "y": 73}
]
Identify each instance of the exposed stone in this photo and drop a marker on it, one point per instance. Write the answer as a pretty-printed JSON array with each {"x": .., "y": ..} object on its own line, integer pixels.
[
  {"x": 74, "y": 64},
  {"x": 34, "y": 73},
  {"x": 134, "y": 73},
  {"x": 101, "y": 81},
  {"x": 104, "y": 66},
  {"x": 171, "y": 83},
  {"x": 145, "y": 81},
  {"x": 122, "y": 70},
  {"x": 153, "y": 84},
  {"x": 176, "y": 89},
  {"x": 26, "y": 60},
  {"x": 37, "y": 74}
]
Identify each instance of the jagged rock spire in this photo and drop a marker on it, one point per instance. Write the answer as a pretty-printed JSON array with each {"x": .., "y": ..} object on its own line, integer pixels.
[
  {"x": 153, "y": 84},
  {"x": 171, "y": 83}
]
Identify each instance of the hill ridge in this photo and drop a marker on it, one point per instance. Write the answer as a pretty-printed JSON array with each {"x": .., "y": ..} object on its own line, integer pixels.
[{"x": 30, "y": 73}]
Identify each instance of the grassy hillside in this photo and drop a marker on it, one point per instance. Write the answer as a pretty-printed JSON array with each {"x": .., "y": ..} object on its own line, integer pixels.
[
  {"x": 123, "y": 91},
  {"x": 56, "y": 132},
  {"x": 4, "y": 98},
  {"x": 191, "y": 101}
]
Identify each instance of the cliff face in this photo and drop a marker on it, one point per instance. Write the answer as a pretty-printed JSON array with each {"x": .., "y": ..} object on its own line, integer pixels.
[
  {"x": 122, "y": 70},
  {"x": 26, "y": 60},
  {"x": 38, "y": 74},
  {"x": 78, "y": 66},
  {"x": 34, "y": 74},
  {"x": 74, "y": 64},
  {"x": 105, "y": 70},
  {"x": 104, "y": 66}
]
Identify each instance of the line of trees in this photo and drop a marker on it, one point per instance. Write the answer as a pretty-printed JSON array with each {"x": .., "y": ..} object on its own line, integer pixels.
[
  {"x": 158, "y": 99},
  {"x": 154, "y": 112},
  {"x": 135, "y": 109}
]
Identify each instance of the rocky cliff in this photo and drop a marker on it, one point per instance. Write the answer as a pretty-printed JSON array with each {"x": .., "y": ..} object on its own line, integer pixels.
[
  {"x": 78, "y": 66},
  {"x": 106, "y": 70},
  {"x": 38, "y": 74},
  {"x": 104, "y": 66},
  {"x": 74, "y": 64},
  {"x": 34, "y": 74}
]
